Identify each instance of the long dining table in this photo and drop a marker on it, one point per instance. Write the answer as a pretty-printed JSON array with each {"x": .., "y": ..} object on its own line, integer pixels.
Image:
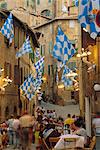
[{"x": 69, "y": 141}]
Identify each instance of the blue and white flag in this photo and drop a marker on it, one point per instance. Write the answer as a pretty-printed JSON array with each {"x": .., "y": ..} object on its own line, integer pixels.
[
  {"x": 30, "y": 95},
  {"x": 76, "y": 3},
  {"x": 30, "y": 86},
  {"x": 27, "y": 84},
  {"x": 7, "y": 29},
  {"x": 63, "y": 49},
  {"x": 67, "y": 81},
  {"x": 39, "y": 65},
  {"x": 26, "y": 48},
  {"x": 37, "y": 83},
  {"x": 88, "y": 12},
  {"x": 37, "y": 54}
]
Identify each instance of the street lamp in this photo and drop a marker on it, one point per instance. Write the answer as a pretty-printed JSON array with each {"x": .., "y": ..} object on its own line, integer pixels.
[
  {"x": 60, "y": 86},
  {"x": 83, "y": 54},
  {"x": 4, "y": 82},
  {"x": 1, "y": 70},
  {"x": 71, "y": 74},
  {"x": 97, "y": 87}
]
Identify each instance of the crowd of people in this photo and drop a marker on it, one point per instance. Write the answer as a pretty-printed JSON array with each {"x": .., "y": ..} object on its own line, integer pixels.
[
  {"x": 22, "y": 131},
  {"x": 16, "y": 131}
]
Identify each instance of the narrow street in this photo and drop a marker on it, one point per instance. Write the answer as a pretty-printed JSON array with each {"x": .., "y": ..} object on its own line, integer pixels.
[
  {"x": 62, "y": 110},
  {"x": 49, "y": 74},
  {"x": 12, "y": 148}
]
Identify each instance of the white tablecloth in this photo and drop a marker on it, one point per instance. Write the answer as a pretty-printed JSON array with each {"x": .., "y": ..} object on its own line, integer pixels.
[{"x": 66, "y": 142}]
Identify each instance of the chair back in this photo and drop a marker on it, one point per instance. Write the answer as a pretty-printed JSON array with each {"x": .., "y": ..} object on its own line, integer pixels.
[
  {"x": 93, "y": 142},
  {"x": 53, "y": 140}
]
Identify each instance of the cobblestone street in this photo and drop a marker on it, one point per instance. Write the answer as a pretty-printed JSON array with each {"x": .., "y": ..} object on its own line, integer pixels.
[
  {"x": 12, "y": 148},
  {"x": 62, "y": 110}
]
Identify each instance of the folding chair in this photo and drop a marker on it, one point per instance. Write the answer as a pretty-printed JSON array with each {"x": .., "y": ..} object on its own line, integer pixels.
[
  {"x": 92, "y": 144},
  {"x": 53, "y": 140},
  {"x": 43, "y": 140}
]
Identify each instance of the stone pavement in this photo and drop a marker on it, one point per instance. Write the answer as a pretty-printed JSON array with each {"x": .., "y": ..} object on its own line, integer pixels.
[
  {"x": 62, "y": 110},
  {"x": 12, "y": 148}
]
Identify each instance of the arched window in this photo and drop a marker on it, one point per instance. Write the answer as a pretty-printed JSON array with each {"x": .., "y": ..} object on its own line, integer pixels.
[
  {"x": 15, "y": 110},
  {"x": 46, "y": 12},
  {"x": 7, "y": 112}
]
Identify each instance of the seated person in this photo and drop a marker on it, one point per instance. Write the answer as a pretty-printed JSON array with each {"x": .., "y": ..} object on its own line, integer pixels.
[
  {"x": 69, "y": 120},
  {"x": 79, "y": 130},
  {"x": 49, "y": 131}
]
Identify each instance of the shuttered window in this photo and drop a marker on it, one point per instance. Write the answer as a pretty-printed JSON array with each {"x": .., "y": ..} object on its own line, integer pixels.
[
  {"x": 31, "y": 56},
  {"x": 16, "y": 75},
  {"x": 38, "y": 2},
  {"x": 7, "y": 70},
  {"x": 16, "y": 37},
  {"x": 21, "y": 75},
  {"x": 43, "y": 71},
  {"x": 41, "y": 50},
  {"x": 48, "y": 69},
  {"x": 50, "y": 47}
]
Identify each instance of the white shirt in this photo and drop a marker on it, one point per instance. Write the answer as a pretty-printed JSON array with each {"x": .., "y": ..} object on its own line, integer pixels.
[
  {"x": 16, "y": 124},
  {"x": 96, "y": 122}
]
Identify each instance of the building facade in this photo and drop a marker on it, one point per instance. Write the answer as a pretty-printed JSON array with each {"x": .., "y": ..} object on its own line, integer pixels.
[{"x": 15, "y": 69}]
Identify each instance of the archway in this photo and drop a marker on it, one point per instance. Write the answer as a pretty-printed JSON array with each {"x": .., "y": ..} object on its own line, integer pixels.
[
  {"x": 46, "y": 12},
  {"x": 7, "y": 112},
  {"x": 15, "y": 111}
]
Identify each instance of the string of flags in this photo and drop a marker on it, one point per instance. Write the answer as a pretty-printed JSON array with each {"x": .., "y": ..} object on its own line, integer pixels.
[
  {"x": 32, "y": 83},
  {"x": 63, "y": 51}
]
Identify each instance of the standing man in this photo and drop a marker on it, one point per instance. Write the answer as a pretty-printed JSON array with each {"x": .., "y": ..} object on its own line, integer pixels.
[
  {"x": 10, "y": 130},
  {"x": 16, "y": 128},
  {"x": 26, "y": 125}
]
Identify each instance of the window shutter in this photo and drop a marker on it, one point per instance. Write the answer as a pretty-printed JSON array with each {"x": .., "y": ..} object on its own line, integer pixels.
[
  {"x": 7, "y": 70},
  {"x": 21, "y": 75},
  {"x": 10, "y": 72},
  {"x": 16, "y": 75},
  {"x": 41, "y": 50},
  {"x": 50, "y": 47},
  {"x": 43, "y": 71},
  {"x": 49, "y": 1},
  {"x": 48, "y": 69},
  {"x": 16, "y": 37},
  {"x": 31, "y": 56},
  {"x": 38, "y": 2}
]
